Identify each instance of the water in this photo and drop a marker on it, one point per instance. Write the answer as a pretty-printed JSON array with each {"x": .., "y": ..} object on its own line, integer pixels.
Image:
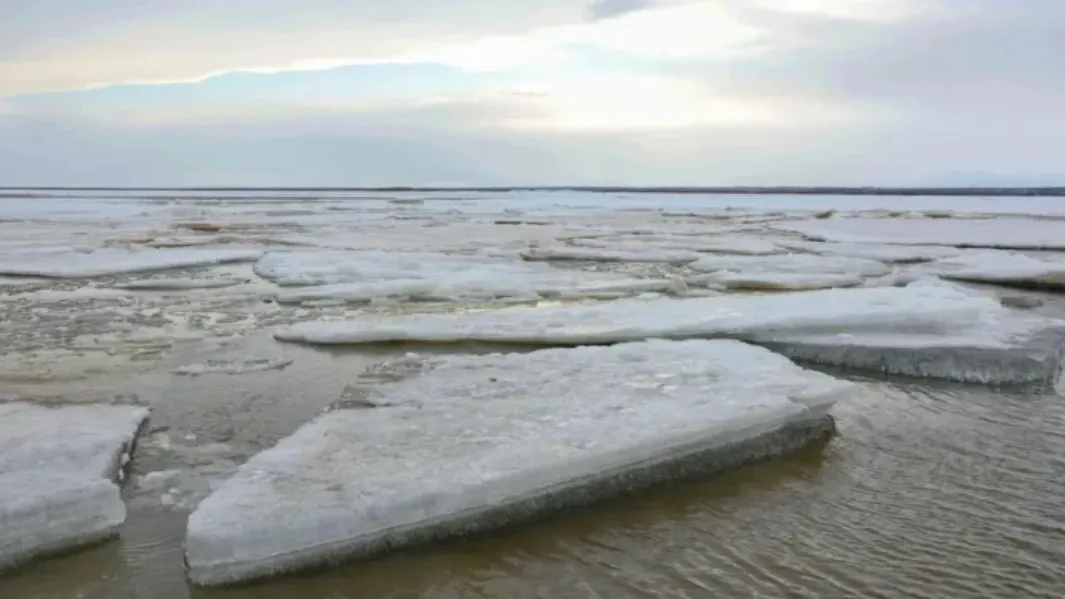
[{"x": 928, "y": 491}]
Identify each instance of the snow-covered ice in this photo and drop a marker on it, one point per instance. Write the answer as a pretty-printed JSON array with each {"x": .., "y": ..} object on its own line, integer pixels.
[
  {"x": 1001, "y": 268},
  {"x": 233, "y": 366},
  {"x": 340, "y": 266},
  {"x": 1001, "y": 233},
  {"x": 944, "y": 319},
  {"x": 57, "y": 467},
  {"x": 719, "y": 244},
  {"x": 892, "y": 254},
  {"x": 788, "y": 271},
  {"x": 73, "y": 265},
  {"x": 462, "y": 444},
  {"x": 631, "y": 254}
]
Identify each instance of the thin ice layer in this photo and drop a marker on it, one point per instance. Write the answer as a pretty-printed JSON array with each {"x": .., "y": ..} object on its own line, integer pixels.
[
  {"x": 56, "y": 470},
  {"x": 465, "y": 443},
  {"x": 945, "y": 318},
  {"x": 479, "y": 284},
  {"x": 781, "y": 281},
  {"x": 722, "y": 244},
  {"x": 648, "y": 254},
  {"x": 792, "y": 264},
  {"x": 1002, "y": 268},
  {"x": 892, "y": 254},
  {"x": 333, "y": 267},
  {"x": 1002, "y": 233},
  {"x": 74, "y": 265}
]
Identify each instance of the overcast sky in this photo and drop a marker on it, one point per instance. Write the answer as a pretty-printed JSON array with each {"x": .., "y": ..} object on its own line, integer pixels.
[{"x": 497, "y": 92}]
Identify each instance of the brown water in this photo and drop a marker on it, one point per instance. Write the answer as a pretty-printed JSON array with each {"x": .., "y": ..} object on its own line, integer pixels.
[{"x": 928, "y": 491}]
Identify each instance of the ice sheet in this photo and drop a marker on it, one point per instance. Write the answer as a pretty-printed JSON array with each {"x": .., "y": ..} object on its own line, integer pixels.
[
  {"x": 793, "y": 264},
  {"x": 333, "y": 267},
  {"x": 466, "y": 443},
  {"x": 527, "y": 284},
  {"x": 633, "y": 254},
  {"x": 892, "y": 254},
  {"x": 781, "y": 281},
  {"x": 72, "y": 265},
  {"x": 722, "y": 244},
  {"x": 56, "y": 470},
  {"x": 1002, "y": 268},
  {"x": 177, "y": 284},
  {"x": 944, "y": 316},
  {"x": 1002, "y": 233}
]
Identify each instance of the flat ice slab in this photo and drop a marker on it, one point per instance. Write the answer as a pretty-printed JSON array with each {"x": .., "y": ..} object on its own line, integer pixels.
[
  {"x": 788, "y": 271},
  {"x": 892, "y": 254},
  {"x": 352, "y": 266},
  {"x": 943, "y": 318},
  {"x": 466, "y": 443},
  {"x": 1002, "y": 233},
  {"x": 56, "y": 471},
  {"x": 1001, "y": 268},
  {"x": 648, "y": 254},
  {"x": 723, "y": 244},
  {"x": 75, "y": 265}
]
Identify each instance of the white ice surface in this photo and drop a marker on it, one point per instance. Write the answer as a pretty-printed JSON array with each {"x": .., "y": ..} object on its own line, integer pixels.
[
  {"x": 461, "y": 435},
  {"x": 1003, "y": 233},
  {"x": 793, "y": 263},
  {"x": 114, "y": 261},
  {"x": 871, "y": 251},
  {"x": 781, "y": 280},
  {"x": 333, "y": 267},
  {"x": 634, "y": 253},
  {"x": 1001, "y": 267},
  {"x": 945, "y": 320},
  {"x": 56, "y": 470},
  {"x": 723, "y": 244}
]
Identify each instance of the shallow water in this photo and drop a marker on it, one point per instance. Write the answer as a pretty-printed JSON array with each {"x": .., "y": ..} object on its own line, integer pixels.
[{"x": 927, "y": 491}]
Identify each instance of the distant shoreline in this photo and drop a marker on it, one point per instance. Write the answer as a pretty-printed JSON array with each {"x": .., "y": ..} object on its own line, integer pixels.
[{"x": 746, "y": 190}]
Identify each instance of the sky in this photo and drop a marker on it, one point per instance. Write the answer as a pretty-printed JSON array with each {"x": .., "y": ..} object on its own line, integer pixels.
[{"x": 532, "y": 92}]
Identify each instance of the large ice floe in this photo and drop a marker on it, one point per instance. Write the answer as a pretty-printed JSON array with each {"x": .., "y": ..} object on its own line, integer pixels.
[
  {"x": 789, "y": 271},
  {"x": 57, "y": 471},
  {"x": 892, "y": 254},
  {"x": 355, "y": 276},
  {"x": 1008, "y": 269},
  {"x": 932, "y": 329},
  {"x": 461, "y": 444},
  {"x": 1001, "y": 233},
  {"x": 718, "y": 244},
  {"x": 103, "y": 262},
  {"x": 648, "y": 254}
]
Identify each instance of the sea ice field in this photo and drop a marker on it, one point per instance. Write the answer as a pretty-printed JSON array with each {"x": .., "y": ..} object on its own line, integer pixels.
[{"x": 277, "y": 381}]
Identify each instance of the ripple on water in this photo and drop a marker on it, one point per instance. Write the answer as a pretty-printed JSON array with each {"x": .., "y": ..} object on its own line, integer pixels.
[{"x": 929, "y": 491}]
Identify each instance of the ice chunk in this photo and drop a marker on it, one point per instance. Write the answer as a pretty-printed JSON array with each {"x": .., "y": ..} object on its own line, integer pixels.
[
  {"x": 1002, "y": 233},
  {"x": 946, "y": 319},
  {"x": 468, "y": 443},
  {"x": 1002, "y": 268},
  {"x": 57, "y": 465},
  {"x": 634, "y": 254},
  {"x": 793, "y": 264},
  {"x": 233, "y": 366},
  {"x": 332, "y": 267},
  {"x": 478, "y": 284},
  {"x": 897, "y": 254},
  {"x": 782, "y": 281},
  {"x": 73, "y": 265},
  {"x": 723, "y": 244}
]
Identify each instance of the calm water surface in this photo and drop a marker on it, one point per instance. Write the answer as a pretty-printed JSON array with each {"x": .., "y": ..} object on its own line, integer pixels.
[{"x": 928, "y": 491}]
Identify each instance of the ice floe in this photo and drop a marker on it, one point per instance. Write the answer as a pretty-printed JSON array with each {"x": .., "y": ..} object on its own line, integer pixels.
[
  {"x": 1002, "y": 268},
  {"x": 332, "y": 267},
  {"x": 945, "y": 322},
  {"x": 633, "y": 254},
  {"x": 233, "y": 366},
  {"x": 57, "y": 467},
  {"x": 722, "y": 244},
  {"x": 73, "y": 265},
  {"x": 892, "y": 254},
  {"x": 1001, "y": 233},
  {"x": 463, "y": 444},
  {"x": 788, "y": 271}
]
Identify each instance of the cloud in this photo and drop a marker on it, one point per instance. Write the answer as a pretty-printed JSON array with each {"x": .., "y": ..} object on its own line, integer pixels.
[
  {"x": 605, "y": 9},
  {"x": 675, "y": 92}
]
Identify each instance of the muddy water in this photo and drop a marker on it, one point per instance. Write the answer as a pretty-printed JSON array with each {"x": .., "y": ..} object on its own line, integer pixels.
[{"x": 928, "y": 491}]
